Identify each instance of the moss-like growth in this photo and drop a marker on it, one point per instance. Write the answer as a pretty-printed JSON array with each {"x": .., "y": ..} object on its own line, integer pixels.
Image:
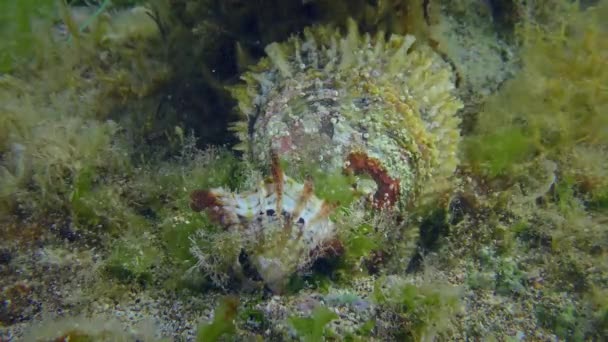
[
  {"x": 216, "y": 254},
  {"x": 254, "y": 320},
  {"x": 500, "y": 274},
  {"x": 84, "y": 329},
  {"x": 58, "y": 146},
  {"x": 334, "y": 187},
  {"x": 553, "y": 107},
  {"x": 496, "y": 153},
  {"x": 540, "y": 146},
  {"x": 419, "y": 312},
  {"x": 105, "y": 207},
  {"x": 313, "y": 328},
  {"x": 166, "y": 190},
  {"x": 222, "y": 324},
  {"x": 133, "y": 258},
  {"x": 359, "y": 244},
  {"x": 597, "y": 303},
  {"x": 21, "y": 21},
  {"x": 565, "y": 321}
]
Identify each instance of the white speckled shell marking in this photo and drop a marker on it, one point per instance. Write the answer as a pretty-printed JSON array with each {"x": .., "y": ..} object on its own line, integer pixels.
[{"x": 284, "y": 218}]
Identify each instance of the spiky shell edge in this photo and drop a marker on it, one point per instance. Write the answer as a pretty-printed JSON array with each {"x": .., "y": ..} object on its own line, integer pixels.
[{"x": 408, "y": 79}]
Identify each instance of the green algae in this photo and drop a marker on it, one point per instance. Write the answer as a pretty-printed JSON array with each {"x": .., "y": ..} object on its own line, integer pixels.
[
  {"x": 313, "y": 328},
  {"x": 222, "y": 324},
  {"x": 554, "y": 103},
  {"x": 533, "y": 140},
  {"x": 501, "y": 274},
  {"x": 335, "y": 187},
  {"x": 360, "y": 244},
  {"x": 56, "y": 133},
  {"x": 20, "y": 24},
  {"x": 421, "y": 311},
  {"x": 132, "y": 259},
  {"x": 498, "y": 152}
]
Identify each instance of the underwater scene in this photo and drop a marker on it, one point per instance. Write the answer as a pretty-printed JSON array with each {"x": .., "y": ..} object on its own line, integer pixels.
[{"x": 303, "y": 170}]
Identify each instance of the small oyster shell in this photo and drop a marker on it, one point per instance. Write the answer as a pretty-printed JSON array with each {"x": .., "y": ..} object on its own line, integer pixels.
[{"x": 286, "y": 224}]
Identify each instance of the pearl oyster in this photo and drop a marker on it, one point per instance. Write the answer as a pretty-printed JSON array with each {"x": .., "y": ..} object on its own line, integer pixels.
[
  {"x": 375, "y": 106},
  {"x": 285, "y": 224},
  {"x": 382, "y": 107}
]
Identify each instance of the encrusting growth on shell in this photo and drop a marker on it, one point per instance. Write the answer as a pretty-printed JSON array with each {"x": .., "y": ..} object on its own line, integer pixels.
[{"x": 387, "y": 191}]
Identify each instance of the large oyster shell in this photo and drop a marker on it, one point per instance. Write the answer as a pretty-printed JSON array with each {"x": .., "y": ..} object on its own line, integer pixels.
[
  {"x": 322, "y": 98},
  {"x": 366, "y": 105}
]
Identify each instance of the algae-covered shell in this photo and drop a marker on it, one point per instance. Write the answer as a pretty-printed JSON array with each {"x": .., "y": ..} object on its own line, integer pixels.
[
  {"x": 365, "y": 105},
  {"x": 285, "y": 226},
  {"x": 373, "y": 105}
]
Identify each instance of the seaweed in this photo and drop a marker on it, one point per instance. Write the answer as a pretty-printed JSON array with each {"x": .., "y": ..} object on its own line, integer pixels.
[
  {"x": 132, "y": 259},
  {"x": 418, "y": 311},
  {"x": 553, "y": 107},
  {"x": 313, "y": 328},
  {"x": 222, "y": 324},
  {"x": 20, "y": 23},
  {"x": 536, "y": 157},
  {"x": 502, "y": 274},
  {"x": 57, "y": 142}
]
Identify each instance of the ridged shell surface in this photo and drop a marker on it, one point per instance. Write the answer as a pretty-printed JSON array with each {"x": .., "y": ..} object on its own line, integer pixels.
[
  {"x": 375, "y": 105},
  {"x": 285, "y": 226}
]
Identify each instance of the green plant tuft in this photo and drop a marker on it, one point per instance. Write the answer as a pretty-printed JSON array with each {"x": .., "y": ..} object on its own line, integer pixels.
[
  {"x": 222, "y": 324},
  {"x": 20, "y": 25},
  {"x": 496, "y": 153},
  {"x": 132, "y": 259},
  {"x": 423, "y": 311},
  {"x": 313, "y": 328}
]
